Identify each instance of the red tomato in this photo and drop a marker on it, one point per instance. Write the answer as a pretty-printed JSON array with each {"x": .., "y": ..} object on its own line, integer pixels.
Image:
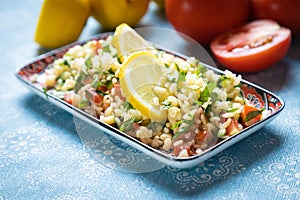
[
  {"x": 233, "y": 127},
  {"x": 201, "y": 135},
  {"x": 252, "y": 47},
  {"x": 285, "y": 12},
  {"x": 204, "y": 19},
  {"x": 250, "y": 115},
  {"x": 92, "y": 95},
  {"x": 69, "y": 98}
]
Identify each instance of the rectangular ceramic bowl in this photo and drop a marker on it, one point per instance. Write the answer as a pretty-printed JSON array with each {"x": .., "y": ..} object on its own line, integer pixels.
[{"x": 256, "y": 95}]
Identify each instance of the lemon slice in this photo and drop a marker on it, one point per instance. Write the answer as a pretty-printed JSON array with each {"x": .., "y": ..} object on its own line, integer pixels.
[
  {"x": 139, "y": 74},
  {"x": 126, "y": 41},
  {"x": 61, "y": 22}
]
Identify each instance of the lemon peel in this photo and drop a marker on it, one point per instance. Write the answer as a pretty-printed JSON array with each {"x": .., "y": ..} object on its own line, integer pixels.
[
  {"x": 61, "y": 22},
  {"x": 126, "y": 40},
  {"x": 112, "y": 13}
]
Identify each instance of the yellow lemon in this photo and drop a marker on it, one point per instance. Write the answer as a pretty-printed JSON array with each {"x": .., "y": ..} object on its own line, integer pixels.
[
  {"x": 111, "y": 13},
  {"x": 126, "y": 41},
  {"x": 139, "y": 74},
  {"x": 61, "y": 22}
]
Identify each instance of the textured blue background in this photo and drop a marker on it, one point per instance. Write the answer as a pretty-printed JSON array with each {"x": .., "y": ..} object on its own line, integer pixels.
[{"x": 43, "y": 157}]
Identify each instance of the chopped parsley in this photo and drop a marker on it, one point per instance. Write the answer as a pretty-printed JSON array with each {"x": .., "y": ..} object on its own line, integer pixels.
[
  {"x": 95, "y": 82},
  {"x": 253, "y": 114},
  {"x": 83, "y": 103},
  {"x": 45, "y": 93},
  {"x": 201, "y": 70},
  {"x": 127, "y": 106},
  {"x": 127, "y": 125},
  {"x": 166, "y": 104},
  {"x": 185, "y": 126},
  {"x": 181, "y": 77},
  {"x": 106, "y": 48},
  {"x": 88, "y": 62}
]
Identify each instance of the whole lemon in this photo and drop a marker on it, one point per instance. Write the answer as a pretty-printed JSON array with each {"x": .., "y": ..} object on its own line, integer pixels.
[
  {"x": 61, "y": 22},
  {"x": 114, "y": 12}
]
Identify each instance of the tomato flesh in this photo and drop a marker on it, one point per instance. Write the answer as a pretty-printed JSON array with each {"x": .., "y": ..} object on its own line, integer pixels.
[
  {"x": 248, "y": 109},
  {"x": 68, "y": 98},
  {"x": 285, "y": 12},
  {"x": 92, "y": 95},
  {"x": 233, "y": 127},
  {"x": 252, "y": 47}
]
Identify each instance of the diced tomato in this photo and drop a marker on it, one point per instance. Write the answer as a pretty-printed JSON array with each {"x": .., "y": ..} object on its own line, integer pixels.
[
  {"x": 68, "y": 98},
  {"x": 102, "y": 88},
  {"x": 178, "y": 149},
  {"x": 201, "y": 135},
  {"x": 105, "y": 105},
  {"x": 250, "y": 115},
  {"x": 190, "y": 152},
  {"x": 186, "y": 145},
  {"x": 72, "y": 98},
  {"x": 118, "y": 91},
  {"x": 133, "y": 129},
  {"x": 87, "y": 80},
  {"x": 98, "y": 98},
  {"x": 97, "y": 47},
  {"x": 93, "y": 96},
  {"x": 233, "y": 127}
]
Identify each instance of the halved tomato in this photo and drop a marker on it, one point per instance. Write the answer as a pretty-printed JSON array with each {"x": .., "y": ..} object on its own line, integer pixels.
[
  {"x": 252, "y": 47},
  {"x": 285, "y": 12}
]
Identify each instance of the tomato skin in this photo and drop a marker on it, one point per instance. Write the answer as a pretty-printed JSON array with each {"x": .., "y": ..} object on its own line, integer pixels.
[
  {"x": 252, "y": 47},
  {"x": 204, "y": 19},
  {"x": 285, "y": 12},
  {"x": 69, "y": 98},
  {"x": 233, "y": 127},
  {"x": 92, "y": 95},
  {"x": 247, "y": 109}
]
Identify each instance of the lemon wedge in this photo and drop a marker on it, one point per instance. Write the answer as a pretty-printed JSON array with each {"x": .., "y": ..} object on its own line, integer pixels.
[
  {"x": 126, "y": 40},
  {"x": 139, "y": 74},
  {"x": 61, "y": 22}
]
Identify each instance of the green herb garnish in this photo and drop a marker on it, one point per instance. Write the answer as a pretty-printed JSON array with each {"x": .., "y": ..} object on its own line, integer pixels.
[
  {"x": 127, "y": 106},
  {"x": 184, "y": 129},
  {"x": 166, "y": 104},
  {"x": 66, "y": 63},
  {"x": 232, "y": 110},
  {"x": 127, "y": 125},
  {"x": 106, "y": 48},
  {"x": 181, "y": 77},
  {"x": 45, "y": 93},
  {"x": 88, "y": 62},
  {"x": 253, "y": 114},
  {"x": 176, "y": 125},
  {"x": 205, "y": 94},
  {"x": 83, "y": 103},
  {"x": 221, "y": 81},
  {"x": 201, "y": 70},
  {"x": 95, "y": 82}
]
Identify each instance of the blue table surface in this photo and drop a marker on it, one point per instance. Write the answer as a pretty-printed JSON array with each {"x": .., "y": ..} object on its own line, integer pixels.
[{"x": 42, "y": 155}]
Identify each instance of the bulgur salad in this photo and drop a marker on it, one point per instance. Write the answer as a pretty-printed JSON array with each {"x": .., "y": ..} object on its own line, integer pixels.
[{"x": 200, "y": 107}]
